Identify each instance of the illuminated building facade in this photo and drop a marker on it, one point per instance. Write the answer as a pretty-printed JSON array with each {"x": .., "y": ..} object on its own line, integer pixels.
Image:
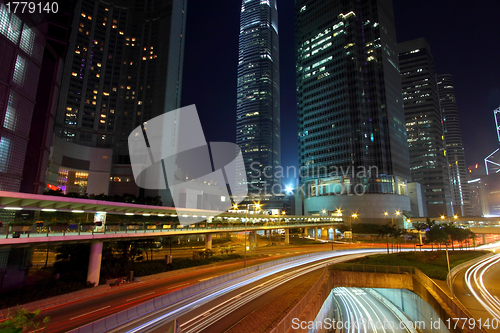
[
  {"x": 258, "y": 95},
  {"x": 31, "y": 51},
  {"x": 124, "y": 67},
  {"x": 460, "y": 191},
  {"x": 492, "y": 161},
  {"x": 424, "y": 125},
  {"x": 352, "y": 137}
]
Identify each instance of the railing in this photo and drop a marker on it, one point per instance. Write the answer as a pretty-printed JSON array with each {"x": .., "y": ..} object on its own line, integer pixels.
[
  {"x": 374, "y": 268},
  {"x": 17, "y": 231},
  {"x": 286, "y": 323}
]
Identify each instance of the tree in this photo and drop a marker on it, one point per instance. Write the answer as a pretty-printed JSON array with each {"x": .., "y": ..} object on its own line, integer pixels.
[
  {"x": 72, "y": 262},
  {"x": 436, "y": 235},
  {"x": 396, "y": 233},
  {"x": 22, "y": 320},
  {"x": 386, "y": 231}
]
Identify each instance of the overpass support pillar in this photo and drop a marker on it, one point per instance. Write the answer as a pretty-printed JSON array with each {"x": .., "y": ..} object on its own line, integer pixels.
[
  {"x": 94, "y": 270},
  {"x": 287, "y": 236},
  {"x": 315, "y": 234},
  {"x": 306, "y": 232},
  {"x": 484, "y": 238},
  {"x": 208, "y": 241},
  {"x": 252, "y": 238},
  {"x": 324, "y": 233}
]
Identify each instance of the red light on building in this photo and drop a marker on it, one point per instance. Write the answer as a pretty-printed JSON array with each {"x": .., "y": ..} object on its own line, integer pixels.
[{"x": 52, "y": 187}]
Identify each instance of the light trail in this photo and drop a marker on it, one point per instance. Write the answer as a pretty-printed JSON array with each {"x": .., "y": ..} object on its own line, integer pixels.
[
  {"x": 201, "y": 322},
  {"x": 157, "y": 318},
  {"x": 366, "y": 314},
  {"x": 474, "y": 280}
]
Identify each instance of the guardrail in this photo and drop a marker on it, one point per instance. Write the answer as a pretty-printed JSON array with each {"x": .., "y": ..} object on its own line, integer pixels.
[{"x": 153, "y": 230}]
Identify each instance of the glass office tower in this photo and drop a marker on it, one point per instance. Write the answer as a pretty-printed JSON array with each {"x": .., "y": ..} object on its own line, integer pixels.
[
  {"x": 353, "y": 153},
  {"x": 460, "y": 191},
  {"x": 258, "y": 100},
  {"x": 428, "y": 160}
]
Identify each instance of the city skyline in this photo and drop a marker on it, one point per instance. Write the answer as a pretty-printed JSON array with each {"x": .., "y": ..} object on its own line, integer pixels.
[{"x": 474, "y": 85}]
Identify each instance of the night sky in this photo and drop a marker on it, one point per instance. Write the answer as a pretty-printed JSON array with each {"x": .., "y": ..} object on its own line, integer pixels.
[{"x": 464, "y": 38}]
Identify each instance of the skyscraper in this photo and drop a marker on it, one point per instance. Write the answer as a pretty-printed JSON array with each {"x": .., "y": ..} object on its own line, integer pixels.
[
  {"x": 352, "y": 138},
  {"x": 124, "y": 67},
  {"x": 258, "y": 99},
  {"x": 424, "y": 125},
  {"x": 454, "y": 148},
  {"x": 31, "y": 51}
]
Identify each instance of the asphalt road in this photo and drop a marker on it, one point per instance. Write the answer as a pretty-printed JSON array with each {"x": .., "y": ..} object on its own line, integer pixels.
[
  {"x": 478, "y": 288},
  {"x": 360, "y": 311},
  {"x": 213, "y": 309},
  {"x": 77, "y": 313}
]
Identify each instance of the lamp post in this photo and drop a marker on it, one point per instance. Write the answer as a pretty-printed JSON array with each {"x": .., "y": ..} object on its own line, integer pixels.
[
  {"x": 354, "y": 215},
  {"x": 257, "y": 205},
  {"x": 450, "y": 280}
]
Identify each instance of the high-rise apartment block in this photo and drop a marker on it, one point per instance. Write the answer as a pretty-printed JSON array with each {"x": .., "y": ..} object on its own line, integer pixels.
[
  {"x": 424, "y": 125},
  {"x": 352, "y": 135},
  {"x": 258, "y": 99},
  {"x": 124, "y": 67}
]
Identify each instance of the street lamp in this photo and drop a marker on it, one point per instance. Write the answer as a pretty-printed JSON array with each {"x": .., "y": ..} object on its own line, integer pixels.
[
  {"x": 354, "y": 215},
  {"x": 450, "y": 279},
  {"x": 256, "y": 205}
]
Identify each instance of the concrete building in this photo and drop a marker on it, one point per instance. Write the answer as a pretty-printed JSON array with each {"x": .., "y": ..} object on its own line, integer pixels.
[
  {"x": 124, "y": 67},
  {"x": 454, "y": 147},
  {"x": 418, "y": 203},
  {"x": 258, "y": 100},
  {"x": 353, "y": 150},
  {"x": 428, "y": 160},
  {"x": 486, "y": 195}
]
